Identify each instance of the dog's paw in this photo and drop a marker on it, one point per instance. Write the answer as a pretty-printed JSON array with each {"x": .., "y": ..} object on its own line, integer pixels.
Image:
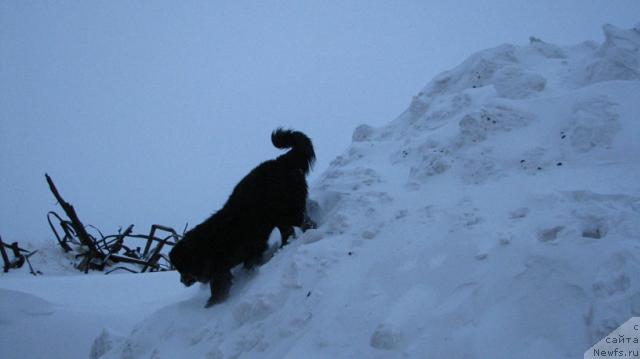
[
  {"x": 211, "y": 302},
  {"x": 216, "y": 299}
]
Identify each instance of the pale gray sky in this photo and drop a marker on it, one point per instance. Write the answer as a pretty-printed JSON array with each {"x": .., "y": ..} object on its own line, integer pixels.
[{"x": 150, "y": 111}]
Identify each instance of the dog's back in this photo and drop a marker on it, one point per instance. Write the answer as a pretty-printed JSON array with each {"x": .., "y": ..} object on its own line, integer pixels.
[{"x": 275, "y": 192}]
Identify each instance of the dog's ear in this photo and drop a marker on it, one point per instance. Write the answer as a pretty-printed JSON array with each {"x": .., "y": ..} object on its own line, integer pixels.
[{"x": 179, "y": 254}]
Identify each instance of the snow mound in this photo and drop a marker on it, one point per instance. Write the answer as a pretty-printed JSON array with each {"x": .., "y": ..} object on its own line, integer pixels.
[
  {"x": 15, "y": 306},
  {"x": 499, "y": 216}
]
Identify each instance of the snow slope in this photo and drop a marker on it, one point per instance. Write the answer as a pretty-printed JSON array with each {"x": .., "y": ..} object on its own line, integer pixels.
[{"x": 497, "y": 217}]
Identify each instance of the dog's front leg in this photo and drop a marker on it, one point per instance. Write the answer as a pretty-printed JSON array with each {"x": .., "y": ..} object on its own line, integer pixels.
[{"x": 220, "y": 284}]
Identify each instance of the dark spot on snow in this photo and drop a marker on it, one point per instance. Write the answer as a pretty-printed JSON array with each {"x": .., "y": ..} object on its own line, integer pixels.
[
  {"x": 308, "y": 294},
  {"x": 350, "y": 253},
  {"x": 539, "y": 168},
  {"x": 594, "y": 233},
  {"x": 522, "y": 161},
  {"x": 550, "y": 234},
  {"x": 563, "y": 136},
  {"x": 559, "y": 164},
  {"x": 474, "y": 86},
  {"x": 481, "y": 256}
]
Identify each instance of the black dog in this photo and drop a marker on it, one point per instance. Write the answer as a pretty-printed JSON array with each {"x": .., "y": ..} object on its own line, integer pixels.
[{"x": 272, "y": 195}]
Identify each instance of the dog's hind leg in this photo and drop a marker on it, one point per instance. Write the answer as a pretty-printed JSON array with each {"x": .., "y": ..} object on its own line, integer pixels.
[
  {"x": 254, "y": 255},
  {"x": 285, "y": 233},
  {"x": 254, "y": 260},
  {"x": 220, "y": 284}
]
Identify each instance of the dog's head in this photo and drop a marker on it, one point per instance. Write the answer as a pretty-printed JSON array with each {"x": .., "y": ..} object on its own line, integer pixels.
[{"x": 190, "y": 262}]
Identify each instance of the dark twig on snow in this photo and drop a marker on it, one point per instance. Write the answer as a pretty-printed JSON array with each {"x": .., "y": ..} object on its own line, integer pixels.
[
  {"x": 78, "y": 227},
  {"x": 103, "y": 252},
  {"x": 20, "y": 257}
]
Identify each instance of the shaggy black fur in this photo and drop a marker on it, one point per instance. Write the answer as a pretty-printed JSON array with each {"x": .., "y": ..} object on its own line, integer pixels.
[{"x": 272, "y": 195}]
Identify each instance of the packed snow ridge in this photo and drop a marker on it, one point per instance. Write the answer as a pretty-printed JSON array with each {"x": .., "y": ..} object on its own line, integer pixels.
[{"x": 497, "y": 217}]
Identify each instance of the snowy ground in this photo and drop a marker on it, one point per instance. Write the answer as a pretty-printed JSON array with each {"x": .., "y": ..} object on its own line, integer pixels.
[
  {"x": 76, "y": 307},
  {"x": 497, "y": 217}
]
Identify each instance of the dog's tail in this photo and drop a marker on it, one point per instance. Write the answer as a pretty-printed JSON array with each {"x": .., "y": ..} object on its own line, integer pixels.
[{"x": 301, "y": 155}]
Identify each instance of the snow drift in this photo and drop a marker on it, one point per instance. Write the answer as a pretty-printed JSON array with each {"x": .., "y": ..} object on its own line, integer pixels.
[{"x": 498, "y": 216}]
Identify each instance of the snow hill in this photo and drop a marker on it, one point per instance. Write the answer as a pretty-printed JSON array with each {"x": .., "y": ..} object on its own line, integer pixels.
[{"x": 497, "y": 217}]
